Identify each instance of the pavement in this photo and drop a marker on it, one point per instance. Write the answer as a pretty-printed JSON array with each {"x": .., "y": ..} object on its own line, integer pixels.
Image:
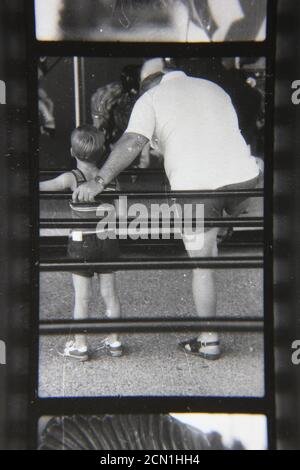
[{"x": 153, "y": 365}]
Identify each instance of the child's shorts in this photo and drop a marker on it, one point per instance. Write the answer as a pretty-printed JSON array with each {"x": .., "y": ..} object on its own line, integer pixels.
[{"x": 93, "y": 249}]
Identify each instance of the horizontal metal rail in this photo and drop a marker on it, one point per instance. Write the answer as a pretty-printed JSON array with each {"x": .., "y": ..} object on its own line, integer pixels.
[
  {"x": 61, "y": 242},
  {"x": 222, "y": 324},
  {"x": 131, "y": 245},
  {"x": 128, "y": 172},
  {"x": 244, "y": 193},
  {"x": 240, "y": 262},
  {"x": 155, "y": 223},
  {"x": 238, "y": 237}
]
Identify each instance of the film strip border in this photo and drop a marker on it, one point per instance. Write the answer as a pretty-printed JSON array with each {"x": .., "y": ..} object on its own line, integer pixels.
[
  {"x": 287, "y": 227},
  {"x": 17, "y": 301},
  {"x": 15, "y": 232},
  {"x": 96, "y": 406},
  {"x": 4, "y": 238}
]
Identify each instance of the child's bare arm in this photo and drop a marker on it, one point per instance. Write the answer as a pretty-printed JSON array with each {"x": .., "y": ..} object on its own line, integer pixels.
[{"x": 61, "y": 183}]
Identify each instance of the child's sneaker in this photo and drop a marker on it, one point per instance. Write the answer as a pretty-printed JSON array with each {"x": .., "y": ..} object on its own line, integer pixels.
[
  {"x": 72, "y": 351},
  {"x": 113, "y": 349}
]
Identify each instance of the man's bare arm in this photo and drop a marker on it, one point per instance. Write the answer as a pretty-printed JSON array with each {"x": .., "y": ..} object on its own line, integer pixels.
[{"x": 124, "y": 153}]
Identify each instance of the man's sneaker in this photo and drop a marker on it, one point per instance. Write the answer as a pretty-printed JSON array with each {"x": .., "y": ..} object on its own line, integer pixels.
[
  {"x": 113, "y": 349},
  {"x": 207, "y": 350},
  {"x": 72, "y": 351}
]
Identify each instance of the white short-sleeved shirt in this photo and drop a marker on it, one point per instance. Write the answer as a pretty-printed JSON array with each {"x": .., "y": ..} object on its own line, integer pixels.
[{"x": 196, "y": 128}]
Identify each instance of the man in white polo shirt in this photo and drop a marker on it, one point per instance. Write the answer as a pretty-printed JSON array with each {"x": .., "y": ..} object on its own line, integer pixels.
[{"x": 196, "y": 128}]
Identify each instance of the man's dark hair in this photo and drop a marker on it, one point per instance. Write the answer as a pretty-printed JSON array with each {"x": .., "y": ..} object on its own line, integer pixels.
[
  {"x": 150, "y": 82},
  {"x": 130, "y": 78}
]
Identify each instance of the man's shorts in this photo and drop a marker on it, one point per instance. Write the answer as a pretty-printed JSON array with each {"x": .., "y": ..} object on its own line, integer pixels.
[
  {"x": 214, "y": 207},
  {"x": 93, "y": 249}
]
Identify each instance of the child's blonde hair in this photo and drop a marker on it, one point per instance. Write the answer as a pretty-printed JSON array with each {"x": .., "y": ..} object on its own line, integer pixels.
[{"x": 88, "y": 143}]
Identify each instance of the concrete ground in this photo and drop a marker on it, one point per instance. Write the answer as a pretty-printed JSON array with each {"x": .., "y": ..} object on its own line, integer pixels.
[{"x": 153, "y": 365}]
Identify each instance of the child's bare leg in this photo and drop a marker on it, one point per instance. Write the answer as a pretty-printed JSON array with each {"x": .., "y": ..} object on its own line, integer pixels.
[
  {"x": 82, "y": 289},
  {"x": 110, "y": 297}
]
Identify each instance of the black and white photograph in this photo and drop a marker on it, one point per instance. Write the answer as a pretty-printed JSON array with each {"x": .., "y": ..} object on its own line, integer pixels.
[
  {"x": 185, "y": 21},
  {"x": 150, "y": 228},
  {"x": 175, "y": 431},
  {"x": 151, "y": 208}
]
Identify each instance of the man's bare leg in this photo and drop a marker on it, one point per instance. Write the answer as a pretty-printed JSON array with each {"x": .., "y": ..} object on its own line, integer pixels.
[{"x": 204, "y": 283}]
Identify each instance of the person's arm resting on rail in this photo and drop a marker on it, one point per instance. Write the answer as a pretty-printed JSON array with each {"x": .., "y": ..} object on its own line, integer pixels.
[
  {"x": 124, "y": 153},
  {"x": 61, "y": 183},
  {"x": 140, "y": 130}
]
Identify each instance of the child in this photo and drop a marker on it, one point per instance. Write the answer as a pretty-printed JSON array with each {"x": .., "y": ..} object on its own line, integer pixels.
[{"x": 87, "y": 146}]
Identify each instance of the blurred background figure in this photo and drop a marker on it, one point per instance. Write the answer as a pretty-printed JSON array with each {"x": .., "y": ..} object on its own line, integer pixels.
[
  {"x": 237, "y": 20},
  {"x": 46, "y": 113},
  {"x": 45, "y": 103},
  {"x": 111, "y": 107},
  {"x": 111, "y": 104},
  {"x": 155, "y": 20}
]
